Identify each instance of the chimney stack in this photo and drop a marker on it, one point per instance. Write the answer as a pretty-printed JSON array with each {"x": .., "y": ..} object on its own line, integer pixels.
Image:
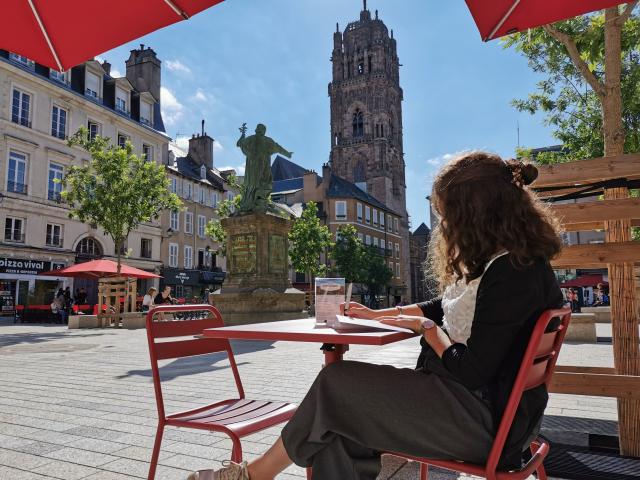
[{"x": 201, "y": 149}]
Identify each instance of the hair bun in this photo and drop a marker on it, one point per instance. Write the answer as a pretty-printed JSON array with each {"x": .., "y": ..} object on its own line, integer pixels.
[{"x": 529, "y": 173}]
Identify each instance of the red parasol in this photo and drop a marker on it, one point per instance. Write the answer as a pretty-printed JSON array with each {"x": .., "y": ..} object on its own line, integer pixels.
[
  {"x": 63, "y": 33},
  {"x": 496, "y": 18},
  {"x": 100, "y": 269}
]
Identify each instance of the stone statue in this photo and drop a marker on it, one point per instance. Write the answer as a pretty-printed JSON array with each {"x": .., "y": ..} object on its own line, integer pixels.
[{"x": 258, "y": 182}]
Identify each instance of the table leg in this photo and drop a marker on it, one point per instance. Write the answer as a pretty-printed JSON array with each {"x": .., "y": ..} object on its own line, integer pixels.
[{"x": 333, "y": 353}]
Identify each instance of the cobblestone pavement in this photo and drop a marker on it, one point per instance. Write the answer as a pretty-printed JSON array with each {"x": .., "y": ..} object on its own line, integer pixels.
[{"x": 80, "y": 404}]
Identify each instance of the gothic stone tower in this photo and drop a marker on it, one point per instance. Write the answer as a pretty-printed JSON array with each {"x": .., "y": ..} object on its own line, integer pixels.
[{"x": 366, "y": 115}]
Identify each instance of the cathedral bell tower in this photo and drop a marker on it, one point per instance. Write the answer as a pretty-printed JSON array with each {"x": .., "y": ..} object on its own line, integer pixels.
[{"x": 366, "y": 110}]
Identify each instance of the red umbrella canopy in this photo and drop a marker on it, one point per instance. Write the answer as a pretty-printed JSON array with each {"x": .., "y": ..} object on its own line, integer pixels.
[
  {"x": 100, "y": 269},
  {"x": 496, "y": 18},
  {"x": 63, "y": 33}
]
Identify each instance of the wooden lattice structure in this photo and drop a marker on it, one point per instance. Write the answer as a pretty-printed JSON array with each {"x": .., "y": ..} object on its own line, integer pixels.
[
  {"x": 614, "y": 213},
  {"x": 112, "y": 293}
]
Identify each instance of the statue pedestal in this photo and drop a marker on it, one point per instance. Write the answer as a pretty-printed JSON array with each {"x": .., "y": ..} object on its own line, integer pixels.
[{"x": 257, "y": 286}]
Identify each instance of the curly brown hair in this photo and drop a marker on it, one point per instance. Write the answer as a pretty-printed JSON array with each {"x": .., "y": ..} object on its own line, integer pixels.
[{"x": 485, "y": 207}]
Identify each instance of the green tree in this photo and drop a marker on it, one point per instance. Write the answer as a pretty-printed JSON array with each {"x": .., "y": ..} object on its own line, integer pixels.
[
  {"x": 117, "y": 190},
  {"x": 590, "y": 95},
  {"x": 376, "y": 274},
  {"x": 308, "y": 239},
  {"x": 348, "y": 253}
]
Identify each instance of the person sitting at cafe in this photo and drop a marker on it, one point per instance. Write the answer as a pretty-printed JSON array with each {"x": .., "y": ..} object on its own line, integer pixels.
[
  {"x": 490, "y": 254},
  {"x": 148, "y": 300}
]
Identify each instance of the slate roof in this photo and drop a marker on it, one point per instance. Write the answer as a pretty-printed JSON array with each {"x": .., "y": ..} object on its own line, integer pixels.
[
  {"x": 189, "y": 168},
  {"x": 283, "y": 169},
  {"x": 422, "y": 230},
  {"x": 341, "y": 188},
  {"x": 281, "y": 186}
]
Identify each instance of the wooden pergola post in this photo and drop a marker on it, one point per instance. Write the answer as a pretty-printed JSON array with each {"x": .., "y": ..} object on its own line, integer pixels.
[{"x": 616, "y": 214}]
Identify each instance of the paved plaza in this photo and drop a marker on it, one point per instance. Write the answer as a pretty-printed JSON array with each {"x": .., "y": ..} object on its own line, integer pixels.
[{"x": 80, "y": 404}]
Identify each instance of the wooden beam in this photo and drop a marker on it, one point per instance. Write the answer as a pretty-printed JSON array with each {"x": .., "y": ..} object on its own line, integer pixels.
[
  {"x": 598, "y": 385},
  {"x": 583, "y": 172},
  {"x": 590, "y": 226},
  {"x": 597, "y": 211},
  {"x": 597, "y": 255},
  {"x": 574, "y": 369}
]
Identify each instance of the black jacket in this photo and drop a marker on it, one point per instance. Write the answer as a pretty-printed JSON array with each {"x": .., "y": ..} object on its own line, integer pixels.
[{"x": 508, "y": 304}]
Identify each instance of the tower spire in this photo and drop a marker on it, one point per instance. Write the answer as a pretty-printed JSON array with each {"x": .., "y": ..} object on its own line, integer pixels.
[{"x": 364, "y": 3}]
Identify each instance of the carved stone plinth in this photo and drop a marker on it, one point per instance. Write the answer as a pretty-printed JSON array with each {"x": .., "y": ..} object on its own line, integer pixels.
[{"x": 257, "y": 287}]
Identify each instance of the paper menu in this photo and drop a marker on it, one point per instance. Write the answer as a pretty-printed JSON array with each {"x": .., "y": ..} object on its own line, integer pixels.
[
  {"x": 330, "y": 294},
  {"x": 347, "y": 323}
]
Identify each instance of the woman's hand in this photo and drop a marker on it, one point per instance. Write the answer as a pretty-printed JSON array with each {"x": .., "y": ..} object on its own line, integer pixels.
[
  {"x": 403, "y": 321},
  {"x": 356, "y": 310}
]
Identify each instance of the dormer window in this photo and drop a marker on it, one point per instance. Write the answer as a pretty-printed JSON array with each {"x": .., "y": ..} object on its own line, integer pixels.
[
  {"x": 58, "y": 76},
  {"x": 122, "y": 100},
  {"x": 92, "y": 85},
  {"x": 203, "y": 172},
  {"x": 145, "y": 112},
  {"x": 22, "y": 60}
]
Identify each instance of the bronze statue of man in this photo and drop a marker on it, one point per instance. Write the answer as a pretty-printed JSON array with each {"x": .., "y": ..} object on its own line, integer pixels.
[{"x": 258, "y": 182}]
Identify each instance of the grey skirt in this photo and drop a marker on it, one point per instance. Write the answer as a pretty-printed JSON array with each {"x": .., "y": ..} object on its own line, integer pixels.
[{"x": 355, "y": 411}]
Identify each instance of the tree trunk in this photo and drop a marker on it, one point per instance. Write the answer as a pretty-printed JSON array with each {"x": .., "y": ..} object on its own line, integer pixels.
[
  {"x": 310, "y": 289},
  {"x": 626, "y": 350}
]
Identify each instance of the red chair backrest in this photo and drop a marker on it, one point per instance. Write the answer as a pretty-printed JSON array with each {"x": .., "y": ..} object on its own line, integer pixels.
[
  {"x": 158, "y": 329},
  {"x": 536, "y": 369}
]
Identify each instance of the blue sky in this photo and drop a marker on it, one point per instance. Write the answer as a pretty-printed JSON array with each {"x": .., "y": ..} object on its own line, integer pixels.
[{"x": 256, "y": 61}]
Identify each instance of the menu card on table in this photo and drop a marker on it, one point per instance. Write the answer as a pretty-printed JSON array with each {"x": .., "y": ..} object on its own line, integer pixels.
[{"x": 330, "y": 294}]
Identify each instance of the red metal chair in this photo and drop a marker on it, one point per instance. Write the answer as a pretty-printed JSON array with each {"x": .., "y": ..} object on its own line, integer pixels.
[
  {"x": 235, "y": 417},
  {"x": 537, "y": 368}
]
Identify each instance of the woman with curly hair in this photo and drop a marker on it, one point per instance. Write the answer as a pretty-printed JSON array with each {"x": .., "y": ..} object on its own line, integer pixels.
[{"x": 490, "y": 254}]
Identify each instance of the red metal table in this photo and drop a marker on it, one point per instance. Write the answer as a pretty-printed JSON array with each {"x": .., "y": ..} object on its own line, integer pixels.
[{"x": 334, "y": 343}]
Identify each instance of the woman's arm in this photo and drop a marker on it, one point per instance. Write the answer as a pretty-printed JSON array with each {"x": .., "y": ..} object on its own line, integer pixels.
[{"x": 431, "y": 309}]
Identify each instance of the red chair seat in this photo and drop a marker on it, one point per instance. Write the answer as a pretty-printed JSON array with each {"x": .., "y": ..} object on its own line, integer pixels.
[
  {"x": 238, "y": 416},
  {"x": 235, "y": 417}
]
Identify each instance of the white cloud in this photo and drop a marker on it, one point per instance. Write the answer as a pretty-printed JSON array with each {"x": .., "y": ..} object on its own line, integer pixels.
[
  {"x": 172, "y": 109},
  {"x": 200, "y": 96},
  {"x": 115, "y": 73},
  {"x": 217, "y": 146},
  {"x": 177, "y": 66},
  {"x": 441, "y": 160}
]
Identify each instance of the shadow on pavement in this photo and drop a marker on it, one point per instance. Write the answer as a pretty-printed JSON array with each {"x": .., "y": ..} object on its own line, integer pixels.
[
  {"x": 201, "y": 363},
  {"x": 30, "y": 338}
]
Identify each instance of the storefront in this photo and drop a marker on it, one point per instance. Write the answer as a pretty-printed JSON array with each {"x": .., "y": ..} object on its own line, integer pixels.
[
  {"x": 20, "y": 284},
  {"x": 190, "y": 284}
]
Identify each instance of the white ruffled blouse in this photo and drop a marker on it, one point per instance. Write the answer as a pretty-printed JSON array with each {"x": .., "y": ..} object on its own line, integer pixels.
[{"x": 459, "y": 306}]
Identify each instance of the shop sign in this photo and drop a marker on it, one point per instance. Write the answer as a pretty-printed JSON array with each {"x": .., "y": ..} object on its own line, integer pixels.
[{"x": 24, "y": 266}]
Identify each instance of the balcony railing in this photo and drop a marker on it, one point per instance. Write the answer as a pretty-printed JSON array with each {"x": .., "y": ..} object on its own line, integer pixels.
[
  {"x": 54, "y": 242},
  {"x": 16, "y": 187},
  {"x": 24, "y": 121},
  {"x": 60, "y": 135},
  {"x": 54, "y": 196},
  {"x": 15, "y": 237}
]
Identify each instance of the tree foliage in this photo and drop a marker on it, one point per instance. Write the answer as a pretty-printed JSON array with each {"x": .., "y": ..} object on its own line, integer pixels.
[
  {"x": 359, "y": 263},
  {"x": 308, "y": 239},
  {"x": 117, "y": 190},
  {"x": 571, "y": 93}
]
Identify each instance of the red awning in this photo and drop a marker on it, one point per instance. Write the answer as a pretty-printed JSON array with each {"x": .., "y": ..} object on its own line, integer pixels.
[
  {"x": 100, "y": 269},
  {"x": 584, "y": 281},
  {"x": 496, "y": 18},
  {"x": 63, "y": 33}
]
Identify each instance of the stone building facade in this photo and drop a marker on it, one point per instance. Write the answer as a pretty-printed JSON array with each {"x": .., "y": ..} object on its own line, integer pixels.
[
  {"x": 191, "y": 264},
  {"x": 39, "y": 109},
  {"x": 366, "y": 117},
  {"x": 421, "y": 288}
]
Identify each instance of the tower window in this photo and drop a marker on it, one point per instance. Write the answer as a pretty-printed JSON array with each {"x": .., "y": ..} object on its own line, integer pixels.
[
  {"x": 358, "y": 124},
  {"x": 360, "y": 68}
]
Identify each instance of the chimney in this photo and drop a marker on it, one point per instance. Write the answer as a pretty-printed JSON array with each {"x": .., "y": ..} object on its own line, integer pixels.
[
  {"x": 106, "y": 66},
  {"x": 201, "y": 149},
  {"x": 143, "y": 71}
]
